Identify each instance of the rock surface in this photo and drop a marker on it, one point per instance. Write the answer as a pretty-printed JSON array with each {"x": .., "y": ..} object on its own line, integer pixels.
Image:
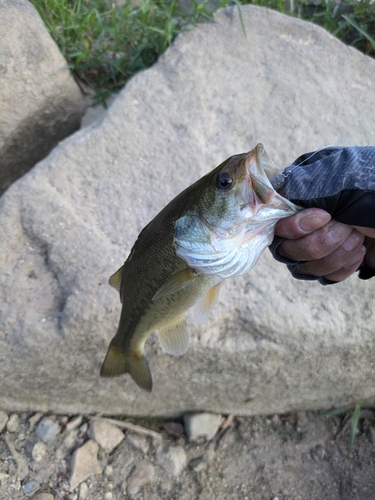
[
  {"x": 40, "y": 102},
  {"x": 272, "y": 343}
]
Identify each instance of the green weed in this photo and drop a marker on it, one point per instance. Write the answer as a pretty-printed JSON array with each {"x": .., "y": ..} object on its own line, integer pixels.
[
  {"x": 105, "y": 42},
  {"x": 351, "y": 420}
]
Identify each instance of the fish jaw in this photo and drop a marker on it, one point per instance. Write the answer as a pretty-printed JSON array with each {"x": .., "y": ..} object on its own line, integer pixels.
[{"x": 231, "y": 244}]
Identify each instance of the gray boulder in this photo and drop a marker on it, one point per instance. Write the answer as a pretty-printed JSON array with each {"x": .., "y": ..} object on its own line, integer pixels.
[
  {"x": 40, "y": 102},
  {"x": 272, "y": 343}
]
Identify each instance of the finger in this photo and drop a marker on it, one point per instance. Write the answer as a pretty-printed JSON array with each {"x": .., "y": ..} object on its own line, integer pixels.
[
  {"x": 302, "y": 223},
  {"x": 346, "y": 271},
  {"x": 368, "y": 231},
  {"x": 319, "y": 243},
  {"x": 340, "y": 260}
]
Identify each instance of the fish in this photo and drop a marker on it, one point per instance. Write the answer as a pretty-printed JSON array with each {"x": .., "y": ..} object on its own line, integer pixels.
[{"x": 215, "y": 229}]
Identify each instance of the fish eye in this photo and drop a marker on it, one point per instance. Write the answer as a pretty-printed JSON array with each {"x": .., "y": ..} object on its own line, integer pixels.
[{"x": 224, "y": 180}]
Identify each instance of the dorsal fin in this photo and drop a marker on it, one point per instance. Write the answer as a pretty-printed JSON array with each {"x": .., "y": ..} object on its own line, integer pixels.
[
  {"x": 174, "y": 338},
  {"x": 115, "y": 279}
]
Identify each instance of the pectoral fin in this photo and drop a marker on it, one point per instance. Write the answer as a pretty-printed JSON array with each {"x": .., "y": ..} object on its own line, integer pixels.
[
  {"x": 174, "y": 338},
  {"x": 175, "y": 283},
  {"x": 204, "y": 306},
  {"x": 115, "y": 279},
  {"x": 116, "y": 363}
]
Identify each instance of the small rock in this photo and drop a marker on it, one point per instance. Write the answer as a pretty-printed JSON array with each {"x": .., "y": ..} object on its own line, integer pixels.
[
  {"x": 84, "y": 463},
  {"x": 83, "y": 491},
  {"x": 302, "y": 420},
  {"x": 84, "y": 428},
  {"x": 44, "y": 496},
  {"x": 172, "y": 458},
  {"x": 108, "y": 495},
  {"x": 74, "y": 423},
  {"x": 29, "y": 487},
  {"x": 201, "y": 425},
  {"x": 47, "y": 430},
  {"x": 372, "y": 434},
  {"x": 13, "y": 423},
  {"x": 140, "y": 442},
  {"x": 3, "y": 476},
  {"x": 108, "y": 471},
  {"x": 107, "y": 435},
  {"x": 34, "y": 420},
  {"x": 143, "y": 473},
  {"x": 318, "y": 452},
  {"x": 3, "y": 420},
  {"x": 174, "y": 428},
  {"x": 39, "y": 451},
  {"x": 198, "y": 464}
]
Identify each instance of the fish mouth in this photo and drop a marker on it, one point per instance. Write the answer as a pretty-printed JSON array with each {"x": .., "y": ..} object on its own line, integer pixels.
[{"x": 258, "y": 191}]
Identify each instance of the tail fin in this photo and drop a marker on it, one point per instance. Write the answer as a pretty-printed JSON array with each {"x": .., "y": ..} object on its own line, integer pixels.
[{"x": 116, "y": 363}]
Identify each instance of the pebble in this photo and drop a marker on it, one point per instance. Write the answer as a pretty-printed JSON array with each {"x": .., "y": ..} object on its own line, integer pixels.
[
  {"x": 107, "y": 435},
  {"x": 198, "y": 464},
  {"x": 84, "y": 463},
  {"x": 74, "y": 423},
  {"x": 108, "y": 471},
  {"x": 83, "y": 491},
  {"x": 84, "y": 428},
  {"x": 34, "y": 420},
  {"x": 372, "y": 435},
  {"x": 302, "y": 420},
  {"x": 29, "y": 487},
  {"x": 47, "y": 429},
  {"x": 13, "y": 423},
  {"x": 317, "y": 453},
  {"x": 39, "y": 451},
  {"x": 140, "y": 442},
  {"x": 3, "y": 420},
  {"x": 201, "y": 425},
  {"x": 173, "y": 459},
  {"x": 44, "y": 496},
  {"x": 142, "y": 474}
]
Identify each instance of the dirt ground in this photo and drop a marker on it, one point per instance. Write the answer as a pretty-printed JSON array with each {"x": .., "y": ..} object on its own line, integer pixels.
[{"x": 287, "y": 457}]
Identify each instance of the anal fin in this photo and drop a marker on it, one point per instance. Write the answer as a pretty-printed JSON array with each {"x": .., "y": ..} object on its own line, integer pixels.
[
  {"x": 116, "y": 363},
  {"x": 174, "y": 338}
]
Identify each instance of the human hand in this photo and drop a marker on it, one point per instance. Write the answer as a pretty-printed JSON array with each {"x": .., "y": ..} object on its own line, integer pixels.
[{"x": 324, "y": 247}]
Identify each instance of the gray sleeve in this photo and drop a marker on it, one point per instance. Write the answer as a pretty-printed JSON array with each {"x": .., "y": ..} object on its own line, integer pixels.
[{"x": 340, "y": 180}]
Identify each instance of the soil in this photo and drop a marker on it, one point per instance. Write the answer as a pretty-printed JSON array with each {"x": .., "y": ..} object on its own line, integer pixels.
[{"x": 295, "y": 456}]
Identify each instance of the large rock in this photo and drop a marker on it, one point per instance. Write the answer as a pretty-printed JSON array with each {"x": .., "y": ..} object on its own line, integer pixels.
[
  {"x": 272, "y": 343},
  {"x": 40, "y": 102}
]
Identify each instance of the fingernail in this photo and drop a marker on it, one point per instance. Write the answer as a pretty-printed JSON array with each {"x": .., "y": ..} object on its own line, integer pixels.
[
  {"x": 338, "y": 232},
  {"x": 356, "y": 258},
  {"x": 311, "y": 222},
  {"x": 353, "y": 240}
]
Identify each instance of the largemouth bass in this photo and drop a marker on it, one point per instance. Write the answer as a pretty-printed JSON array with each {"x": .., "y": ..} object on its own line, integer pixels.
[{"x": 217, "y": 228}]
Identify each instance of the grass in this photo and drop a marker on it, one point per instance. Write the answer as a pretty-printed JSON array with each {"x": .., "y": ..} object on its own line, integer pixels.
[
  {"x": 105, "y": 43},
  {"x": 352, "y": 417}
]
